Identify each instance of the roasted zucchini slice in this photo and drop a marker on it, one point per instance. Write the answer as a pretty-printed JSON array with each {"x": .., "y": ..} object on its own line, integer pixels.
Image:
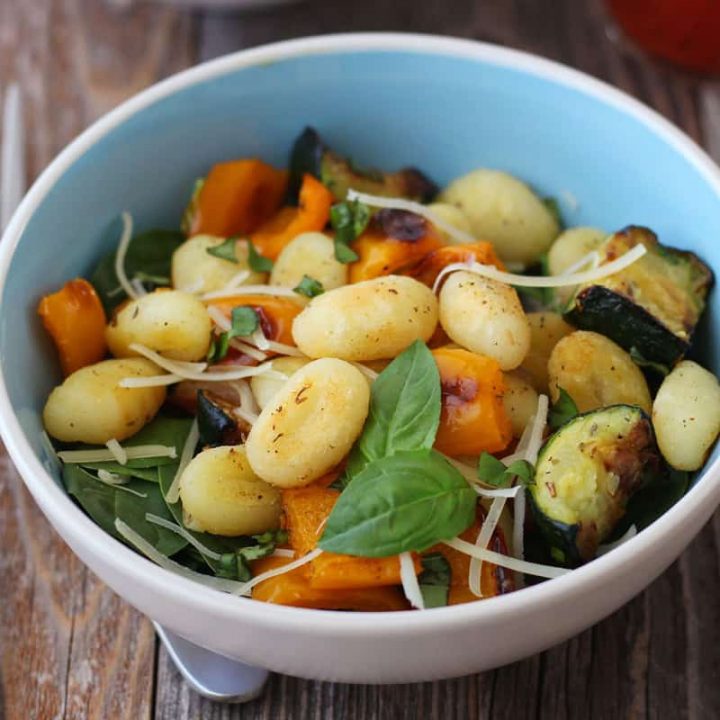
[
  {"x": 338, "y": 174},
  {"x": 585, "y": 475},
  {"x": 652, "y": 307}
]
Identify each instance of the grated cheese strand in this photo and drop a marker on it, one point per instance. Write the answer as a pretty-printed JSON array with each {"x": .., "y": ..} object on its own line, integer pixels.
[
  {"x": 117, "y": 450},
  {"x": 283, "y": 552},
  {"x": 545, "y": 281},
  {"x": 120, "y": 254},
  {"x": 166, "y": 563},
  {"x": 251, "y": 290},
  {"x": 136, "y": 452},
  {"x": 521, "y": 566},
  {"x": 248, "y": 586},
  {"x": 483, "y": 538},
  {"x": 410, "y": 584},
  {"x": 191, "y": 441},
  {"x": 507, "y": 493},
  {"x": 225, "y": 325},
  {"x": 592, "y": 259},
  {"x": 413, "y": 207},
  {"x": 283, "y": 349},
  {"x": 249, "y": 417},
  {"x": 117, "y": 482},
  {"x": 183, "y": 533},
  {"x": 149, "y": 381},
  {"x": 259, "y": 339}
]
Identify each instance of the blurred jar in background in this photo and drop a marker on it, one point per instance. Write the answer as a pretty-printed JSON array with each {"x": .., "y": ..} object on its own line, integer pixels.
[{"x": 686, "y": 32}]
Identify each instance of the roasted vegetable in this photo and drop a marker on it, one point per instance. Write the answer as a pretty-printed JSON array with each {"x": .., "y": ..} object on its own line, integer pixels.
[
  {"x": 427, "y": 270},
  {"x": 653, "y": 306},
  {"x": 586, "y": 473},
  {"x": 338, "y": 174}
]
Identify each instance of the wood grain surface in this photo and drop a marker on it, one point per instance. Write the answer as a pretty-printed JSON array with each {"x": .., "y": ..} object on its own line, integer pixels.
[{"x": 70, "y": 648}]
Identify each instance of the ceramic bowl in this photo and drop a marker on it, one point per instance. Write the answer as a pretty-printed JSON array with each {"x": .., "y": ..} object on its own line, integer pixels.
[{"x": 447, "y": 106}]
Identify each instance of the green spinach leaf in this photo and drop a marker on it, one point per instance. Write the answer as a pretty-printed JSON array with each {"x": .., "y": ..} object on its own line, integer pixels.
[
  {"x": 434, "y": 580},
  {"x": 149, "y": 253},
  {"x": 404, "y": 409},
  {"x": 562, "y": 411},
  {"x": 93, "y": 496},
  {"x": 407, "y": 501}
]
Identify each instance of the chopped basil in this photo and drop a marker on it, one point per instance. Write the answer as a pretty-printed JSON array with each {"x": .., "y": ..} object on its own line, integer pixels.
[
  {"x": 224, "y": 251},
  {"x": 257, "y": 262},
  {"x": 562, "y": 411},
  {"x": 309, "y": 287},
  {"x": 405, "y": 502},
  {"x": 348, "y": 220},
  {"x": 434, "y": 580},
  {"x": 244, "y": 322},
  {"x": 492, "y": 471}
]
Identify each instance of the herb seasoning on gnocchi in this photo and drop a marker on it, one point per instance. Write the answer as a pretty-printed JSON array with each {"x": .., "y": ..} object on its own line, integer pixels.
[{"x": 353, "y": 390}]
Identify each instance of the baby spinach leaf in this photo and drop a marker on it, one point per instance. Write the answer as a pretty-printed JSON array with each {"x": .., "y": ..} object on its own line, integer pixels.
[
  {"x": 407, "y": 501},
  {"x": 492, "y": 471},
  {"x": 562, "y": 411},
  {"x": 147, "y": 474},
  {"x": 149, "y": 253},
  {"x": 309, "y": 287},
  {"x": 94, "y": 497},
  {"x": 404, "y": 408},
  {"x": 257, "y": 262},
  {"x": 224, "y": 251},
  {"x": 434, "y": 580}
]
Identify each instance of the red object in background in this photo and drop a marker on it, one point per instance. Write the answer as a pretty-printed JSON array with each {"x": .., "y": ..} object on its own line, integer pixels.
[{"x": 686, "y": 32}]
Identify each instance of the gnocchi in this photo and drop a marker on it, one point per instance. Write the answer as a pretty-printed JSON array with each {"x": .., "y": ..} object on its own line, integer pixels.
[
  {"x": 486, "y": 317},
  {"x": 452, "y": 215},
  {"x": 596, "y": 372},
  {"x": 264, "y": 387},
  {"x": 371, "y": 320},
  {"x": 502, "y": 209},
  {"x": 546, "y": 330},
  {"x": 172, "y": 323},
  {"x": 194, "y": 269},
  {"x": 311, "y": 254},
  {"x": 89, "y": 406},
  {"x": 310, "y": 425},
  {"x": 686, "y": 415},
  {"x": 221, "y": 494},
  {"x": 568, "y": 249},
  {"x": 520, "y": 401}
]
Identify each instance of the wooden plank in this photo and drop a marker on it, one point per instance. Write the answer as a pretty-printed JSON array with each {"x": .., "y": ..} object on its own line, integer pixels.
[{"x": 68, "y": 646}]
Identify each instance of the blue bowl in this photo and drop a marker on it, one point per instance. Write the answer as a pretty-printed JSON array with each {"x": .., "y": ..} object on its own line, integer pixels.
[{"x": 447, "y": 106}]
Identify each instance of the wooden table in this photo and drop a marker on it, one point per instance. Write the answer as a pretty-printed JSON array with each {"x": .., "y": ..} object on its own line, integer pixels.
[{"x": 70, "y": 648}]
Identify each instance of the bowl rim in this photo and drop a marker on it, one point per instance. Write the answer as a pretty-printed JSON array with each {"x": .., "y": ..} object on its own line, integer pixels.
[{"x": 71, "y": 521}]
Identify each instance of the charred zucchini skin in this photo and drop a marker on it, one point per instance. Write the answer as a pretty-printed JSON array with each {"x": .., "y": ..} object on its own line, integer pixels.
[
  {"x": 617, "y": 315},
  {"x": 311, "y": 155},
  {"x": 619, "y": 441}
]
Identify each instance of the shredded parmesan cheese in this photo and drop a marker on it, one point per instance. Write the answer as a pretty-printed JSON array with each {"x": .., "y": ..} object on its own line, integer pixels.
[
  {"x": 247, "y": 587},
  {"x": 283, "y": 552},
  {"x": 483, "y": 538},
  {"x": 225, "y": 325},
  {"x": 138, "y": 287},
  {"x": 120, "y": 254},
  {"x": 117, "y": 482},
  {"x": 191, "y": 441},
  {"x": 410, "y": 584},
  {"x": 506, "y": 493},
  {"x": 259, "y": 339},
  {"x": 183, "y": 533},
  {"x": 251, "y": 290},
  {"x": 152, "y": 381},
  {"x": 117, "y": 450},
  {"x": 521, "y": 566},
  {"x": 283, "y": 349},
  {"x": 136, "y": 452},
  {"x": 545, "y": 281},
  {"x": 236, "y": 280},
  {"x": 592, "y": 259},
  {"x": 413, "y": 207}
]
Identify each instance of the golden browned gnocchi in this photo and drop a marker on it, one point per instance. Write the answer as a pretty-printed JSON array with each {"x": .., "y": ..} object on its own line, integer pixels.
[
  {"x": 194, "y": 269},
  {"x": 686, "y": 415},
  {"x": 505, "y": 211},
  {"x": 485, "y": 317},
  {"x": 264, "y": 387},
  {"x": 311, "y": 254},
  {"x": 596, "y": 372},
  {"x": 222, "y": 495},
  {"x": 371, "y": 320},
  {"x": 520, "y": 400},
  {"x": 172, "y": 323},
  {"x": 90, "y": 407},
  {"x": 310, "y": 425},
  {"x": 452, "y": 215},
  {"x": 546, "y": 330},
  {"x": 571, "y": 246}
]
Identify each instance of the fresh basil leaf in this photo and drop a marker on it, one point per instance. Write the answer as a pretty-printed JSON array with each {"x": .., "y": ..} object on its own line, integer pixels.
[
  {"x": 191, "y": 209},
  {"x": 523, "y": 470},
  {"x": 257, "y": 262},
  {"x": 96, "y": 498},
  {"x": 434, "y": 580},
  {"x": 309, "y": 287},
  {"x": 405, "y": 408},
  {"x": 132, "y": 509},
  {"x": 218, "y": 349},
  {"x": 224, "y": 251},
  {"x": 149, "y": 253},
  {"x": 213, "y": 422},
  {"x": 348, "y": 220},
  {"x": 562, "y": 411},
  {"x": 639, "y": 359},
  {"x": 405, "y": 502},
  {"x": 245, "y": 321},
  {"x": 492, "y": 471}
]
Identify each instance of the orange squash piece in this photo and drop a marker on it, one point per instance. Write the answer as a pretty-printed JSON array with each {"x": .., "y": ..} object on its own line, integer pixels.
[
  {"x": 382, "y": 255},
  {"x": 237, "y": 197},
  {"x": 312, "y": 214},
  {"x": 294, "y": 589},
  {"x": 473, "y": 419},
  {"x": 306, "y": 511},
  {"x": 75, "y": 319},
  {"x": 427, "y": 270},
  {"x": 276, "y": 313}
]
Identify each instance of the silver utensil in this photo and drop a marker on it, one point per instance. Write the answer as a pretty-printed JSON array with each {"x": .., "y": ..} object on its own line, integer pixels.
[{"x": 12, "y": 155}]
